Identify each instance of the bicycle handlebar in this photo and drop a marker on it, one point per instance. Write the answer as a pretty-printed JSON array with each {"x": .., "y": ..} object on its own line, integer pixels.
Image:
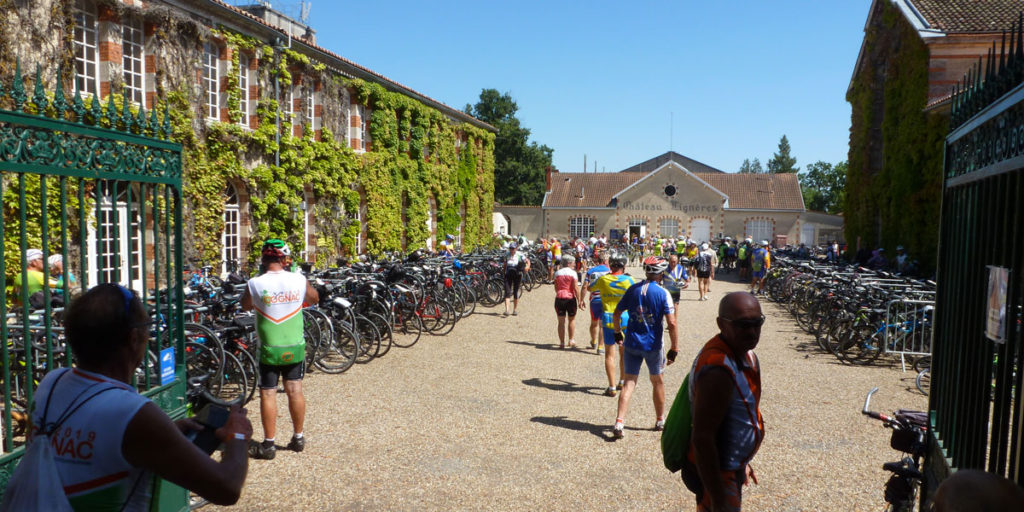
[{"x": 872, "y": 414}]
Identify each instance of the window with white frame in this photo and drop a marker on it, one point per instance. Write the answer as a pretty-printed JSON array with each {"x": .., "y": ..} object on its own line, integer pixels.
[
  {"x": 211, "y": 80},
  {"x": 132, "y": 60},
  {"x": 364, "y": 127},
  {"x": 310, "y": 107},
  {"x": 243, "y": 89},
  {"x": 231, "y": 238},
  {"x": 116, "y": 240},
  {"x": 759, "y": 230},
  {"x": 581, "y": 226},
  {"x": 669, "y": 228},
  {"x": 86, "y": 55}
]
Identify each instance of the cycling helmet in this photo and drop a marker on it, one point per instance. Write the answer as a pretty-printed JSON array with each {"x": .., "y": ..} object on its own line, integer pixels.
[
  {"x": 275, "y": 248},
  {"x": 655, "y": 264},
  {"x": 512, "y": 245},
  {"x": 616, "y": 259}
]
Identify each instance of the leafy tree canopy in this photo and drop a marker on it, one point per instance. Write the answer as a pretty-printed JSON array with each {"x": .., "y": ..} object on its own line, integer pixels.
[
  {"x": 748, "y": 167},
  {"x": 824, "y": 186},
  {"x": 783, "y": 162},
  {"x": 518, "y": 164}
]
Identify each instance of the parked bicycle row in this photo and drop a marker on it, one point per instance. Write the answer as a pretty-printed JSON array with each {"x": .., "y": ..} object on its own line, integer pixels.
[
  {"x": 362, "y": 311},
  {"x": 855, "y": 313}
]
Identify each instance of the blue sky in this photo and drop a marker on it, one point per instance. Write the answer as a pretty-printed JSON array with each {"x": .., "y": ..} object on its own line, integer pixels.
[{"x": 604, "y": 78}]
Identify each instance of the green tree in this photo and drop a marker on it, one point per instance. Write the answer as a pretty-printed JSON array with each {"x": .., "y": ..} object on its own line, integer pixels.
[
  {"x": 823, "y": 186},
  {"x": 748, "y": 167},
  {"x": 518, "y": 164},
  {"x": 783, "y": 162}
]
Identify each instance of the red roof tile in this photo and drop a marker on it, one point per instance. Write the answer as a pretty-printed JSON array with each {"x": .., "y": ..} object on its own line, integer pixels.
[
  {"x": 959, "y": 16},
  {"x": 745, "y": 191}
]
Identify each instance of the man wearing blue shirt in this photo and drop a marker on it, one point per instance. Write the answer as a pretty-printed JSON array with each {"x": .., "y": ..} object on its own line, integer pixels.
[{"x": 647, "y": 303}]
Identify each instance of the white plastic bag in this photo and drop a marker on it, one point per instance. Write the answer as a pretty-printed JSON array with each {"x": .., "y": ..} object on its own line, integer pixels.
[{"x": 35, "y": 485}]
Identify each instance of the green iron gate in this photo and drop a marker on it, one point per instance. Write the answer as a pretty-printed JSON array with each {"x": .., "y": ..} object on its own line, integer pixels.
[
  {"x": 975, "y": 407},
  {"x": 100, "y": 186}
]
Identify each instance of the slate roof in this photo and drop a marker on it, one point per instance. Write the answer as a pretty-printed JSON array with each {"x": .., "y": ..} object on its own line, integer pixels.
[
  {"x": 964, "y": 16},
  {"x": 745, "y": 191},
  {"x": 658, "y": 161},
  {"x": 357, "y": 70}
]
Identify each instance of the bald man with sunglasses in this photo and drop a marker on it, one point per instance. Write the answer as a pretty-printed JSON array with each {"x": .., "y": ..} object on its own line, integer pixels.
[{"x": 725, "y": 389}]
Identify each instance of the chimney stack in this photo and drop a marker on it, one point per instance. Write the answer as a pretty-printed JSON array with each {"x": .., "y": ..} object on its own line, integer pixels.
[{"x": 547, "y": 179}]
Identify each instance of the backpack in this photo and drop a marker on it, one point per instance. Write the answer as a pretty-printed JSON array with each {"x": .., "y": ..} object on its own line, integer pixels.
[
  {"x": 675, "y": 439},
  {"x": 704, "y": 263},
  {"x": 35, "y": 484}
]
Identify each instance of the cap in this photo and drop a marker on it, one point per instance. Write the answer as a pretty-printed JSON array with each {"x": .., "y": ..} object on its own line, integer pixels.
[
  {"x": 704, "y": 246},
  {"x": 33, "y": 254},
  {"x": 55, "y": 259}
]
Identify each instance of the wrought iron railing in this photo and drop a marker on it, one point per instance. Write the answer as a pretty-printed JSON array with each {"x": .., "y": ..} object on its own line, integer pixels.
[
  {"x": 976, "y": 414},
  {"x": 101, "y": 187}
]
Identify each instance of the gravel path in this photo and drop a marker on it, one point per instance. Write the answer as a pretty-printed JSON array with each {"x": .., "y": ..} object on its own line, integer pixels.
[{"x": 495, "y": 416}]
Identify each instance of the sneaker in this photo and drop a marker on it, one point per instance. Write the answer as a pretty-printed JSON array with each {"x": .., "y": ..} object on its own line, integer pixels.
[
  {"x": 265, "y": 450},
  {"x": 515, "y": 313},
  {"x": 618, "y": 387},
  {"x": 593, "y": 344},
  {"x": 572, "y": 343},
  {"x": 617, "y": 430},
  {"x": 609, "y": 392},
  {"x": 505, "y": 313},
  {"x": 659, "y": 425},
  {"x": 297, "y": 444}
]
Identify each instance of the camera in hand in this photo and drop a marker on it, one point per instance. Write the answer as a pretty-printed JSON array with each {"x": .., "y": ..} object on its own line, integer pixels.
[{"x": 211, "y": 417}]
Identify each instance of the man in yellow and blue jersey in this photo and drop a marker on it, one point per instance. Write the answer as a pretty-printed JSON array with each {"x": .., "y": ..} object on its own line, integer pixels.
[{"x": 612, "y": 287}]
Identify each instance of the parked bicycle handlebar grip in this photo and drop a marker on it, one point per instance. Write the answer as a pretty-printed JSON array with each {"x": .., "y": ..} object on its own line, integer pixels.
[{"x": 869, "y": 413}]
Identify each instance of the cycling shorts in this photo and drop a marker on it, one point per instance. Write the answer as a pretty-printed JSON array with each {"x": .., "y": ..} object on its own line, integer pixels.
[
  {"x": 633, "y": 358},
  {"x": 595, "y": 310},
  {"x": 564, "y": 307},
  {"x": 270, "y": 374}
]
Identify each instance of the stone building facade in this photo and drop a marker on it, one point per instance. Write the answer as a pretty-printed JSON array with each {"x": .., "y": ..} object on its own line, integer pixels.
[
  {"x": 280, "y": 129},
  {"x": 673, "y": 196}
]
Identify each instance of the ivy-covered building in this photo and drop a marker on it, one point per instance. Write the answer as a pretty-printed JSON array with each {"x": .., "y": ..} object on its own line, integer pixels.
[
  {"x": 912, "y": 55},
  {"x": 282, "y": 137}
]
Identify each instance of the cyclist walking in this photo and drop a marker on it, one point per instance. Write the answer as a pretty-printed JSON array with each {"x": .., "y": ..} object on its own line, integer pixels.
[
  {"x": 515, "y": 265},
  {"x": 278, "y": 296},
  {"x": 566, "y": 300},
  {"x": 612, "y": 287},
  {"x": 648, "y": 303},
  {"x": 599, "y": 269}
]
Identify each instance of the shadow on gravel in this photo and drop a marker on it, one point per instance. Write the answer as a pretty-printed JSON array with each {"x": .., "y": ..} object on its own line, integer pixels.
[
  {"x": 602, "y": 431},
  {"x": 562, "y": 385},
  {"x": 541, "y": 346}
]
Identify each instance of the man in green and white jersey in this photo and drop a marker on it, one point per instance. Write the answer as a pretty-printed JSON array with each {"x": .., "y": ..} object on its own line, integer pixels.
[{"x": 278, "y": 296}]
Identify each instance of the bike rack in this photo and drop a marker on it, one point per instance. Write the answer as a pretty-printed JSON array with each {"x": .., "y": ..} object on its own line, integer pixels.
[{"x": 909, "y": 328}]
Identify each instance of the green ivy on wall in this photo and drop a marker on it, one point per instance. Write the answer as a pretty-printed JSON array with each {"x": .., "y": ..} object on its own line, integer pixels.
[
  {"x": 894, "y": 179},
  {"x": 414, "y": 155}
]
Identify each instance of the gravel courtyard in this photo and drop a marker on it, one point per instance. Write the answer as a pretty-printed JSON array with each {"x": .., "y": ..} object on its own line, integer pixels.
[{"x": 495, "y": 416}]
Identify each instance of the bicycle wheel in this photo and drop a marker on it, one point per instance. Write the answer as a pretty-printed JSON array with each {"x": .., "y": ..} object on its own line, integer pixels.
[
  {"x": 202, "y": 335},
  {"x": 406, "y": 327},
  {"x": 369, "y": 340},
  {"x": 235, "y": 386},
  {"x": 384, "y": 327},
  {"x": 339, "y": 354},
  {"x": 863, "y": 345},
  {"x": 924, "y": 380}
]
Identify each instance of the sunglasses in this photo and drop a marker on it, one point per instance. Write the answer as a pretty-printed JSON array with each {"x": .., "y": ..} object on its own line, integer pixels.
[{"x": 745, "y": 323}]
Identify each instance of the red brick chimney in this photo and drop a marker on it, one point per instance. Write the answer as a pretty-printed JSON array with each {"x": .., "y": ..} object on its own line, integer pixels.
[{"x": 547, "y": 179}]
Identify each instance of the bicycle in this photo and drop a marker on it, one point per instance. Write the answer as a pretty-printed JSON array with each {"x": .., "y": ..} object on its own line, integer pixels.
[{"x": 909, "y": 435}]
